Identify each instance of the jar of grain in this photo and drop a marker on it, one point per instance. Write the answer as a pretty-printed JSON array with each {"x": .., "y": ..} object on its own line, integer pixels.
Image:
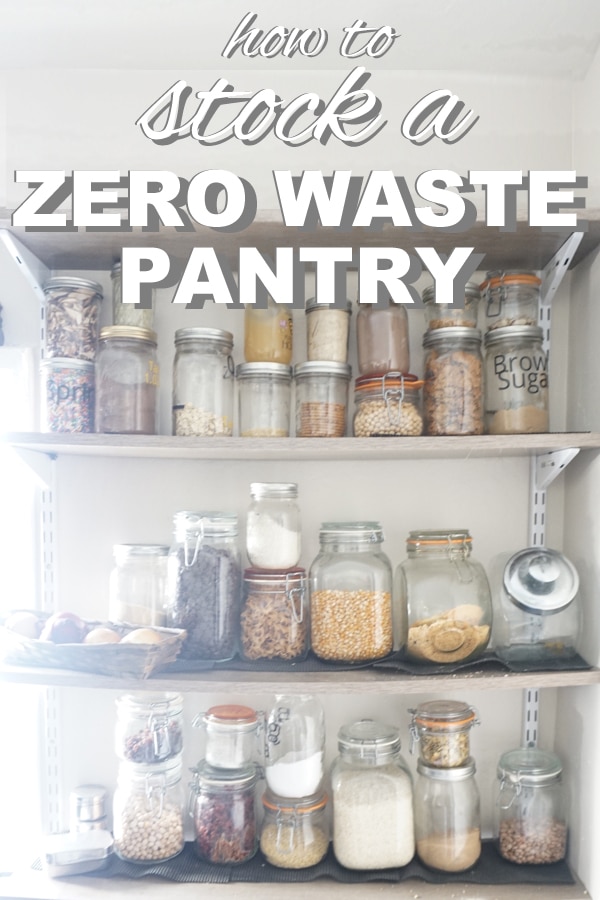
[
  {"x": 148, "y": 812},
  {"x": 264, "y": 399},
  {"x": 149, "y": 727},
  {"x": 141, "y": 315},
  {"x": 71, "y": 317},
  {"x": 127, "y": 381},
  {"x": 327, "y": 331},
  {"x": 321, "y": 399},
  {"x": 273, "y": 526},
  {"x": 137, "y": 587},
  {"x": 531, "y": 824},
  {"x": 447, "y": 315},
  {"x": 447, "y": 817},
  {"x": 223, "y": 806},
  {"x": 231, "y": 735},
  {"x": 372, "y": 794},
  {"x": 511, "y": 298},
  {"x": 387, "y": 405},
  {"x": 351, "y": 594},
  {"x": 516, "y": 380},
  {"x": 268, "y": 333},
  {"x": 67, "y": 395},
  {"x": 453, "y": 381},
  {"x": 441, "y": 729},
  {"x": 294, "y": 833},
  {"x": 203, "y": 382},
  {"x": 274, "y": 621},
  {"x": 295, "y": 745}
]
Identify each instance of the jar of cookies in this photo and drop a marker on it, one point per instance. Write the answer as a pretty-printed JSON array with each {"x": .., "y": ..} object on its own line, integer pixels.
[{"x": 446, "y": 598}]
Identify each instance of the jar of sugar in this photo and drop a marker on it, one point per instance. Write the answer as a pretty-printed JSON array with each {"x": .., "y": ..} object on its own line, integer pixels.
[
  {"x": 273, "y": 533},
  {"x": 295, "y": 746}
]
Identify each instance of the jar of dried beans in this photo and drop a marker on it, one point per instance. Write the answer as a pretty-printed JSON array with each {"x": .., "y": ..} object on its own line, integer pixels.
[
  {"x": 223, "y": 806},
  {"x": 327, "y": 331},
  {"x": 441, "y": 729},
  {"x": 382, "y": 338},
  {"x": 264, "y": 393},
  {"x": 127, "y": 381},
  {"x": 231, "y": 735},
  {"x": 447, "y": 315},
  {"x": 294, "y": 833},
  {"x": 274, "y": 621},
  {"x": 516, "y": 380},
  {"x": 268, "y": 333},
  {"x": 453, "y": 381},
  {"x": 511, "y": 298},
  {"x": 203, "y": 382},
  {"x": 149, "y": 727},
  {"x": 387, "y": 405},
  {"x": 321, "y": 399},
  {"x": 71, "y": 317}
]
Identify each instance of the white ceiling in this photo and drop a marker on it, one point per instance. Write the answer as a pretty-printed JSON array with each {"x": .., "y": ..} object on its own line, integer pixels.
[{"x": 545, "y": 38}]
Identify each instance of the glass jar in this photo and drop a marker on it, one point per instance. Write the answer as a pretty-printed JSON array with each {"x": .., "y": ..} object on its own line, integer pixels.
[
  {"x": 295, "y": 746},
  {"x": 294, "y": 833},
  {"x": 531, "y": 824},
  {"x": 149, "y": 727},
  {"x": 447, "y": 817},
  {"x": 71, "y": 317},
  {"x": 273, "y": 529},
  {"x": 136, "y": 314},
  {"x": 203, "y": 382},
  {"x": 137, "y": 587},
  {"x": 351, "y": 594},
  {"x": 372, "y": 794},
  {"x": 148, "y": 812},
  {"x": 88, "y": 808},
  {"x": 321, "y": 399},
  {"x": 268, "y": 333},
  {"x": 382, "y": 339},
  {"x": 387, "y": 405},
  {"x": 441, "y": 728},
  {"x": 203, "y": 584},
  {"x": 274, "y": 622},
  {"x": 223, "y": 807},
  {"x": 231, "y": 735},
  {"x": 126, "y": 381},
  {"x": 67, "y": 395},
  {"x": 327, "y": 331},
  {"x": 453, "y": 381},
  {"x": 447, "y": 315},
  {"x": 511, "y": 298},
  {"x": 264, "y": 399},
  {"x": 446, "y": 598},
  {"x": 516, "y": 380}
]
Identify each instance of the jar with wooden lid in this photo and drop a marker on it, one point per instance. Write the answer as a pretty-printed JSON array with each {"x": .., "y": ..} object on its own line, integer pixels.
[
  {"x": 127, "y": 379},
  {"x": 274, "y": 622},
  {"x": 453, "y": 381},
  {"x": 387, "y": 405},
  {"x": 294, "y": 833},
  {"x": 516, "y": 380},
  {"x": 382, "y": 338},
  {"x": 203, "y": 381},
  {"x": 440, "y": 729},
  {"x": 511, "y": 298},
  {"x": 231, "y": 735},
  {"x": 321, "y": 398},
  {"x": 327, "y": 331},
  {"x": 449, "y": 315},
  {"x": 268, "y": 333}
]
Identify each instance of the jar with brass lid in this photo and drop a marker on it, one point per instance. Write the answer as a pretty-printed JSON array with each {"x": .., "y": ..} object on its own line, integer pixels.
[
  {"x": 127, "y": 378},
  {"x": 72, "y": 317},
  {"x": 141, "y": 316}
]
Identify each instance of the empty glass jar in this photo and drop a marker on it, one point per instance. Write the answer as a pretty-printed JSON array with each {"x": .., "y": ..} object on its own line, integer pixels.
[
  {"x": 231, "y": 735},
  {"x": 203, "y": 379},
  {"x": 137, "y": 588}
]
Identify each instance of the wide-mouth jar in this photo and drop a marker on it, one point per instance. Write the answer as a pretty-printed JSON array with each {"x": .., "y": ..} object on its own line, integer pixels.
[
  {"x": 231, "y": 732},
  {"x": 203, "y": 382},
  {"x": 72, "y": 317},
  {"x": 387, "y": 405},
  {"x": 264, "y": 393},
  {"x": 327, "y": 331},
  {"x": 321, "y": 398}
]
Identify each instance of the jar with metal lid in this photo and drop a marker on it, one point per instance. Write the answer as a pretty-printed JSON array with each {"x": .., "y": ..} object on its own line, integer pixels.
[
  {"x": 321, "y": 398},
  {"x": 231, "y": 735},
  {"x": 203, "y": 380},
  {"x": 382, "y": 338},
  {"x": 268, "y": 333},
  {"x": 441, "y": 730},
  {"x": 223, "y": 806},
  {"x": 148, "y": 811},
  {"x": 264, "y": 391},
  {"x": 295, "y": 745},
  {"x": 327, "y": 331},
  {"x": 137, "y": 587},
  {"x": 372, "y": 794},
  {"x": 511, "y": 298},
  {"x": 71, "y": 317},
  {"x": 351, "y": 594},
  {"x": 274, "y": 622},
  {"x": 294, "y": 833},
  {"x": 88, "y": 808},
  {"x": 538, "y": 618},
  {"x": 516, "y": 380},
  {"x": 387, "y": 405},
  {"x": 149, "y": 727},
  {"x": 203, "y": 583},
  {"x": 446, "y": 598},
  {"x": 453, "y": 381},
  {"x": 447, "y": 817},
  {"x": 127, "y": 381},
  {"x": 273, "y": 527},
  {"x": 531, "y": 823},
  {"x": 140, "y": 315},
  {"x": 67, "y": 395},
  {"x": 447, "y": 315}
]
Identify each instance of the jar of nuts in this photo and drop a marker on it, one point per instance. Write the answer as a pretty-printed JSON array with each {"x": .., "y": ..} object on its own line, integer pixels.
[
  {"x": 453, "y": 381},
  {"x": 511, "y": 298},
  {"x": 441, "y": 729},
  {"x": 387, "y": 405},
  {"x": 203, "y": 382}
]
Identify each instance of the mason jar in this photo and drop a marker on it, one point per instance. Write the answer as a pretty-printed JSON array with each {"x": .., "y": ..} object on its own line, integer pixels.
[
  {"x": 71, "y": 317},
  {"x": 67, "y": 395},
  {"x": 231, "y": 735},
  {"x": 223, "y": 807},
  {"x": 294, "y": 833},
  {"x": 387, "y": 405},
  {"x": 273, "y": 526},
  {"x": 447, "y": 315},
  {"x": 274, "y": 621},
  {"x": 516, "y": 380},
  {"x": 511, "y": 298},
  {"x": 321, "y": 399},
  {"x": 327, "y": 331},
  {"x": 295, "y": 745},
  {"x": 372, "y": 794},
  {"x": 264, "y": 399},
  {"x": 149, "y": 727},
  {"x": 351, "y": 594},
  {"x": 127, "y": 379},
  {"x": 129, "y": 313},
  {"x": 268, "y": 333},
  {"x": 203, "y": 380},
  {"x": 382, "y": 338},
  {"x": 441, "y": 731},
  {"x": 446, "y": 598},
  {"x": 137, "y": 587},
  {"x": 453, "y": 381}
]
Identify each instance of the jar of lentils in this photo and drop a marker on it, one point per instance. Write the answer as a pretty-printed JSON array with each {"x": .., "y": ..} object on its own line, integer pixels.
[
  {"x": 321, "y": 399},
  {"x": 127, "y": 381},
  {"x": 203, "y": 379},
  {"x": 453, "y": 381},
  {"x": 387, "y": 405},
  {"x": 223, "y": 806}
]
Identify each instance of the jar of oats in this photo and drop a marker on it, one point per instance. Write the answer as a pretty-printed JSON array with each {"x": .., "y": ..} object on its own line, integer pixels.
[
  {"x": 387, "y": 405},
  {"x": 447, "y": 315},
  {"x": 511, "y": 298},
  {"x": 203, "y": 382},
  {"x": 453, "y": 381}
]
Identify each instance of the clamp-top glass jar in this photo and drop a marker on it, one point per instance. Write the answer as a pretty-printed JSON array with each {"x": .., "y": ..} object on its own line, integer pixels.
[
  {"x": 511, "y": 298},
  {"x": 273, "y": 531},
  {"x": 453, "y": 381},
  {"x": 387, "y": 405},
  {"x": 137, "y": 587},
  {"x": 382, "y": 338},
  {"x": 223, "y": 806},
  {"x": 294, "y": 833},
  {"x": 231, "y": 732},
  {"x": 274, "y": 621},
  {"x": 441, "y": 730},
  {"x": 516, "y": 380},
  {"x": 127, "y": 381},
  {"x": 295, "y": 745},
  {"x": 203, "y": 379},
  {"x": 447, "y": 315},
  {"x": 149, "y": 727}
]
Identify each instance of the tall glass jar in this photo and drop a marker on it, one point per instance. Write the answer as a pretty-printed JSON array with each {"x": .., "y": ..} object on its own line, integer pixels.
[
  {"x": 453, "y": 381},
  {"x": 268, "y": 333},
  {"x": 264, "y": 399},
  {"x": 223, "y": 806},
  {"x": 295, "y": 745},
  {"x": 203, "y": 382},
  {"x": 382, "y": 339},
  {"x": 516, "y": 380},
  {"x": 273, "y": 527},
  {"x": 128, "y": 313},
  {"x": 231, "y": 735},
  {"x": 447, "y": 817},
  {"x": 127, "y": 381},
  {"x": 531, "y": 824},
  {"x": 321, "y": 399},
  {"x": 274, "y": 622},
  {"x": 351, "y": 594},
  {"x": 373, "y": 823},
  {"x": 446, "y": 598},
  {"x": 441, "y": 729},
  {"x": 294, "y": 833},
  {"x": 327, "y": 331},
  {"x": 149, "y": 727},
  {"x": 203, "y": 583},
  {"x": 447, "y": 315},
  {"x": 387, "y": 405},
  {"x": 137, "y": 587},
  {"x": 72, "y": 317},
  {"x": 511, "y": 298},
  {"x": 67, "y": 395}
]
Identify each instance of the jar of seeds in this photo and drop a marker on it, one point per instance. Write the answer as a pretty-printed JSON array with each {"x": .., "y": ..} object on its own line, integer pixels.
[{"x": 71, "y": 317}]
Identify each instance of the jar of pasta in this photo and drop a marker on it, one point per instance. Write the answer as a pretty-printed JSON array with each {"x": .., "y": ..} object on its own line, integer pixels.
[
  {"x": 274, "y": 621},
  {"x": 453, "y": 381}
]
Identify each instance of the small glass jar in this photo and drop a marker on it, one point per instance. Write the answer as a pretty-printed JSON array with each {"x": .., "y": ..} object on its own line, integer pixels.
[
  {"x": 268, "y": 333},
  {"x": 441, "y": 729},
  {"x": 223, "y": 807},
  {"x": 387, "y": 405},
  {"x": 88, "y": 808},
  {"x": 511, "y": 298},
  {"x": 516, "y": 380},
  {"x": 327, "y": 331},
  {"x": 149, "y": 727},
  {"x": 372, "y": 794},
  {"x": 137, "y": 587},
  {"x": 447, "y": 315},
  {"x": 68, "y": 387},
  {"x": 446, "y": 598},
  {"x": 273, "y": 527},
  {"x": 71, "y": 317},
  {"x": 203, "y": 382},
  {"x": 231, "y": 733},
  {"x": 148, "y": 812},
  {"x": 382, "y": 339},
  {"x": 351, "y": 594},
  {"x": 127, "y": 381},
  {"x": 294, "y": 833},
  {"x": 321, "y": 399},
  {"x": 295, "y": 746},
  {"x": 129, "y": 313},
  {"x": 203, "y": 584},
  {"x": 531, "y": 825},
  {"x": 447, "y": 817},
  {"x": 453, "y": 381},
  {"x": 264, "y": 399},
  {"x": 274, "y": 622}
]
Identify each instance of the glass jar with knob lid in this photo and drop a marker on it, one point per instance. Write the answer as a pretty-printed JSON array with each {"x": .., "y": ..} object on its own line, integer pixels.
[
  {"x": 203, "y": 380},
  {"x": 294, "y": 833},
  {"x": 441, "y": 731}
]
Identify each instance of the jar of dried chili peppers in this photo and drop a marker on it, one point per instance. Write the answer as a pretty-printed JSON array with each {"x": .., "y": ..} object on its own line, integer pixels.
[{"x": 223, "y": 806}]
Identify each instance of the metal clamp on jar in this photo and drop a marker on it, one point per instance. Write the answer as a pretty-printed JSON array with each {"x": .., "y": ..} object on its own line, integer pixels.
[
  {"x": 231, "y": 735},
  {"x": 387, "y": 405},
  {"x": 441, "y": 729}
]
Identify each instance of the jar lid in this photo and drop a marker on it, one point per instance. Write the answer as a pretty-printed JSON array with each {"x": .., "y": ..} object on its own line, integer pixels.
[
  {"x": 127, "y": 332},
  {"x": 456, "y": 773},
  {"x": 231, "y": 714},
  {"x": 389, "y": 381},
  {"x": 72, "y": 281},
  {"x": 268, "y": 490},
  {"x": 496, "y": 279},
  {"x": 540, "y": 581},
  {"x": 316, "y": 367},
  {"x": 350, "y": 532},
  {"x": 212, "y": 524},
  {"x": 452, "y": 538},
  {"x": 313, "y": 303},
  {"x": 251, "y": 369},
  {"x": 215, "y": 336},
  {"x": 166, "y": 772},
  {"x": 165, "y": 702},
  {"x": 63, "y": 362},
  {"x": 122, "y": 552},
  {"x": 460, "y": 334},
  {"x": 88, "y": 802},
  {"x": 472, "y": 292},
  {"x": 274, "y": 577},
  {"x": 205, "y": 774},
  {"x": 443, "y": 713},
  {"x": 367, "y": 736},
  {"x": 528, "y": 765},
  {"x": 300, "y": 806},
  {"x": 528, "y": 332}
]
